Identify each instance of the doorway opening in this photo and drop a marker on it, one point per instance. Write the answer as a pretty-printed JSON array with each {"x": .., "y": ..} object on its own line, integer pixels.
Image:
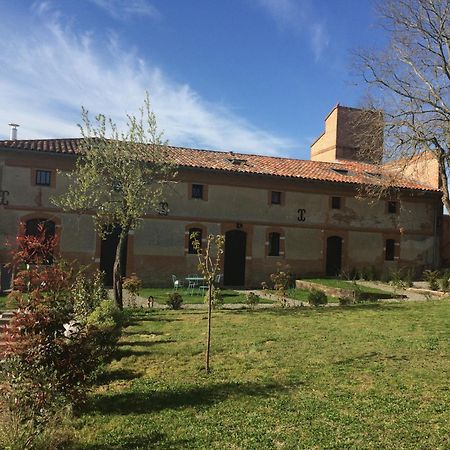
[
  {"x": 334, "y": 256},
  {"x": 234, "y": 259}
]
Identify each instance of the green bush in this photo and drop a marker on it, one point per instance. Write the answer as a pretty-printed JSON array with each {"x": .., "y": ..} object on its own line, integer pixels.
[
  {"x": 252, "y": 299},
  {"x": 132, "y": 285},
  {"x": 87, "y": 294},
  {"x": 444, "y": 284},
  {"x": 345, "y": 301},
  {"x": 217, "y": 298},
  {"x": 317, "y": 297},
  {"x": 175, "y": 300},
  {"x": 432, "y": 276},
  {"x": 60, "y": 335}
]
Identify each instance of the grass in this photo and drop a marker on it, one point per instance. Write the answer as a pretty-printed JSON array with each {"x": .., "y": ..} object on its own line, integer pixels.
[
  {"x": 161, "y": 294},
  {"x": 364, "y": 377},
  {"x": 302, "y": 295},
  {"x": 342, "y": 284},
  {"x": 3, "y": 304}
]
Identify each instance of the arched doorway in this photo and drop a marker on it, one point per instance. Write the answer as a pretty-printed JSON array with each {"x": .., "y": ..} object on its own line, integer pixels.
[
  {"x": 334, "y": 256},
  {"x": 234, "y": 259},
  {"x": 108, "y": 255}
]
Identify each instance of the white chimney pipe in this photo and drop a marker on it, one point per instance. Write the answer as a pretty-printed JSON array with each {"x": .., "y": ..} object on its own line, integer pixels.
[{"x": 13, "y": 134}]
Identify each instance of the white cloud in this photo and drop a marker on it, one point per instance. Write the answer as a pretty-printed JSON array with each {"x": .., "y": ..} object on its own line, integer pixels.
[
  {"x": 49, "y": 72},
  {"x": 297, "y": 16},
  {"x": 124, "y": 9}
]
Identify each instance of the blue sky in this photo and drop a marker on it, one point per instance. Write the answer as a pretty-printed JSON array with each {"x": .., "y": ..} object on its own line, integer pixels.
[{"x": 255, "y": 76}]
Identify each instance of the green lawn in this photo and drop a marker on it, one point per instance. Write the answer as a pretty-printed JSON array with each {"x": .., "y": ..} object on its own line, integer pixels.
[
  {"x": 371, "y": 376},
  {"x": 302, "y": 295},
  {"x": 342, "y": 284},
  {"x": 161, "y": 295},
  {"x": 3, "y": 302}
]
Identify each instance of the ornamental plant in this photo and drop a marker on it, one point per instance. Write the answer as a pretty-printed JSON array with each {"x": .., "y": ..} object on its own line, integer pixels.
[
  {"x": 252, "y": 299},
  {"x": 132, "y": 285},
  {"x": 282, "y": 280},
  {"x": 58, "y": 338}
]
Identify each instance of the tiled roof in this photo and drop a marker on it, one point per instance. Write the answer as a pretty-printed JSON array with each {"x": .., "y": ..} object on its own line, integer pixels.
[{"x": 349, "y": 172}]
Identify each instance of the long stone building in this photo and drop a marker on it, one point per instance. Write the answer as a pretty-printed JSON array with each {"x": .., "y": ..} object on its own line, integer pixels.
[{"x": 301, "y": 212}]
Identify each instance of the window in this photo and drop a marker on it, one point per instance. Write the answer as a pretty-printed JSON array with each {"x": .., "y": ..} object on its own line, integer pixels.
[
  {"x": 335, "y": 202},
  {"x": 390, "y": 250},
  {"x": 392, "y": 207},
  {"x": 274, "y": 244},
  {"x": 275, "y": 198},
  {"x": 197, "y": 191},
  {"x": 340, "y": 171},
  {"x": 198, "y": 237},
  {"x": 43, "y": 177}
]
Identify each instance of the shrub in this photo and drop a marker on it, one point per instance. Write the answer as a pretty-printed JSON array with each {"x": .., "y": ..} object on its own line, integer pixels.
[
  {"x": 402, "y": 278},
  {"x": 87, "y": 294},
  {"x": 317, "y": 297},
  {"x": 432, "y": 276},
  {"x": 409, "y": 276},
  {"x": 444, "y": 284},
  {"x": 252, "y": 299},
  {"x": 216, "y": 298},
  {"x": 57, "y": 340},
  {"x": 132, "y": 285},
  {"x": 282, "y": 281},
  {"x": 175, "y": 300},
  {"x": 345, "y": 301}
]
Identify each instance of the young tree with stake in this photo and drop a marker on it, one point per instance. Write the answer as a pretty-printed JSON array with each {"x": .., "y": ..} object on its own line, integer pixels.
[{"x": 209, "y": 265}]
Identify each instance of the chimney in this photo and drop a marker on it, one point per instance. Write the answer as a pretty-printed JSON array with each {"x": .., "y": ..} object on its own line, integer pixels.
[
  {"x": 13, "y": 134},
  {"x": 350, "y": 134}
]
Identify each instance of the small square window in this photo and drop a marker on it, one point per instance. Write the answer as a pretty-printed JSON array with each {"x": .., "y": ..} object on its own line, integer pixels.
[
  {"x": 392, "y": 207},
  {"x": 335, "y": 202},
  {"x": 43, "y": 177},
  {"x": 197, "y": 191},
  {"x": 275, "y": 198}
]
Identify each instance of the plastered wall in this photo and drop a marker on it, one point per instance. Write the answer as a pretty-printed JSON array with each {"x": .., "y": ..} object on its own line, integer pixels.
[{"x": 159, "y": 245}]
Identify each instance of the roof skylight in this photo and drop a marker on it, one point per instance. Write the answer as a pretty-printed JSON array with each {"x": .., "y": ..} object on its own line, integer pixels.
[{"x": 340, "y": 171}]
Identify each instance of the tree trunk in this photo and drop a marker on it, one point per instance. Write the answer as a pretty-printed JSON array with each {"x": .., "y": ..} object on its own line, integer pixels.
[
  {"x": 117, "y": 270},
  {"x": 444, "y": 184},
  {"x": 208, "y": 334}
]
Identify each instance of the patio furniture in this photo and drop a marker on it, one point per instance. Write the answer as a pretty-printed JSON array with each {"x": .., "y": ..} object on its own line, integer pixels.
[
  {"x": 193, "y": 281},
  {"x": 218, "y": 279},
  {"x": 176, "y": 282}
]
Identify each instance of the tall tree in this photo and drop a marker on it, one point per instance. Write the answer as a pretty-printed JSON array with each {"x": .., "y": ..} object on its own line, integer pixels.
[
  {"x": 119, "y": 177},
  {"x": 409, "y": 81}
]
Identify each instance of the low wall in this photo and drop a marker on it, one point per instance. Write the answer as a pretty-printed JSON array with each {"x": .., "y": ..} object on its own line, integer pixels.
[{"x": 339, "y": 292}]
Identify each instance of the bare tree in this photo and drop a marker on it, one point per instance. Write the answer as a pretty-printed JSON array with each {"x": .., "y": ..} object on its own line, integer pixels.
[{"x": 409, "y": 82}]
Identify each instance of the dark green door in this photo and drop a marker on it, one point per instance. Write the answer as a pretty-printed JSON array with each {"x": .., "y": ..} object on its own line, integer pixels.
[{"x": 234, "y": 261}]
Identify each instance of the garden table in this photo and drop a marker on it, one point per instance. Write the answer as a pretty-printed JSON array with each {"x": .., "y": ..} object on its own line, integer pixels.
[{"x": 193, "y": 282}]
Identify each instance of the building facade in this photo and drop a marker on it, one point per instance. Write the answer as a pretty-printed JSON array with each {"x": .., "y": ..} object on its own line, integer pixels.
[{"x": 303, "y": 213}]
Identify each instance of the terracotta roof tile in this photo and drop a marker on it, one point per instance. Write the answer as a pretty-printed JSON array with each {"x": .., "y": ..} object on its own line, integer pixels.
[{"x": 357, "y": 173}]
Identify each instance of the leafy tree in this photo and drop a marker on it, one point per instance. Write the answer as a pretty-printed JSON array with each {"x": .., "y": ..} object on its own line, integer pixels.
[
  {"x": 409, "y": 82},
  {"x": 119, "y": 177},
  {"x": 209, "y": 265}
]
